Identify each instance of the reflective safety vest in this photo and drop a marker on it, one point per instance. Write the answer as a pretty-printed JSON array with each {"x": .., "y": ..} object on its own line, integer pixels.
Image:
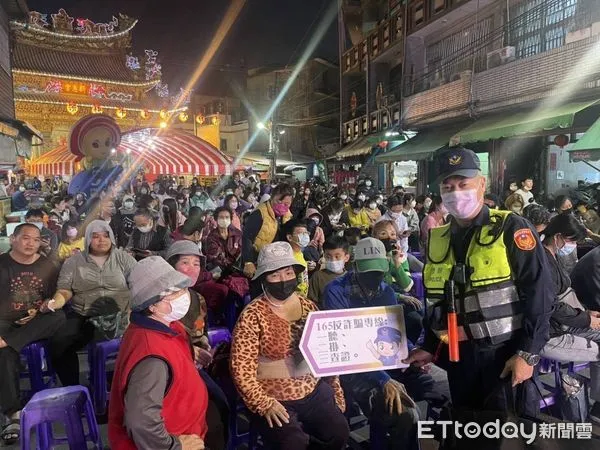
[{"x": 488, "y": 308}]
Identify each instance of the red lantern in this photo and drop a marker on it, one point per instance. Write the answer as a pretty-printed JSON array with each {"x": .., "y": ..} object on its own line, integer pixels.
[{"x": 561, "y": 140}]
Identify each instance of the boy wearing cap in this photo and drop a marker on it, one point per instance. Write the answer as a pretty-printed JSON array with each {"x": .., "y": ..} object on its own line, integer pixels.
[
  {"x": 501, "y": 281},
  {"x": 381, "y": 394},
  {"x": 155, "y": 373}
]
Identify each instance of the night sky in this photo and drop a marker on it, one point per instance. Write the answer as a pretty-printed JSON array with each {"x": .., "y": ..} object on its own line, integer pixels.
[{"x": 267, "y": 32}]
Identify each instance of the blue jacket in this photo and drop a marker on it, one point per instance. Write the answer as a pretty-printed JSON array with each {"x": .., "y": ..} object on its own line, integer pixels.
[{"x": 338, "y": 295}]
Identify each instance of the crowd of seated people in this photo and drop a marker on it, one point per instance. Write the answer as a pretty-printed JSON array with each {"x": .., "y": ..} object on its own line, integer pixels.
[{"x": 158, "y": 265}]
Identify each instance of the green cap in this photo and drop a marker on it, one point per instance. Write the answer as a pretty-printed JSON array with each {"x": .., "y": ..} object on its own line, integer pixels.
[{"x": 370, "y": 256}]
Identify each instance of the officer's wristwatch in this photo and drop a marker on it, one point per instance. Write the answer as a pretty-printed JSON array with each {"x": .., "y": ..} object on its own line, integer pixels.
[{"x": 529, "y": 358}]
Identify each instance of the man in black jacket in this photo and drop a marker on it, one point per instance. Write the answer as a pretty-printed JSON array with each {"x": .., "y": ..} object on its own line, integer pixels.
[{"x": 585, "y": 279}]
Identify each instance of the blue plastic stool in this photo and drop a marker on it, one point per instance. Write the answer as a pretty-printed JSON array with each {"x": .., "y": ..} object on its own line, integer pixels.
[
  {"x": 98, "y": 355},
  {"x": 39, "y": 369},
  {"x": 218, "y": 335},
  {"x": 65, "y": 405},
  {"x": 419, "y": 287}
]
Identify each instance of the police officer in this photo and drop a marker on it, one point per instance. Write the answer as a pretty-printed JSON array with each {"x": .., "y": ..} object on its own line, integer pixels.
[{"x": 503, "y": 289}]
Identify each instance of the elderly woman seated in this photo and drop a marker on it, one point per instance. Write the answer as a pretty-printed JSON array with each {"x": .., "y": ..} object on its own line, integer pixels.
[
  {"x": 268, "y": 369},
  {"x": 92, "y": 288},
  {"x": 157, "y": 400}
]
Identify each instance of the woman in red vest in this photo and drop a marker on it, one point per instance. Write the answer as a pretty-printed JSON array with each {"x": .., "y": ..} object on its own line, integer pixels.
[{"x": 157, "y": 400}]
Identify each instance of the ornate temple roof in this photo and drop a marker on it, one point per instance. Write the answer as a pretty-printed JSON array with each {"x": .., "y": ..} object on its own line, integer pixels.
[
  {"x": 57, "y": 62},
  {"x": 74, "y": 47}
]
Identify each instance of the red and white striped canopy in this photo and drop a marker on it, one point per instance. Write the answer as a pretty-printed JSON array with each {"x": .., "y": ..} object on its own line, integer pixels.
[
  {"x": 58, "y": 161},
  {"x": 167, "y": 152}
]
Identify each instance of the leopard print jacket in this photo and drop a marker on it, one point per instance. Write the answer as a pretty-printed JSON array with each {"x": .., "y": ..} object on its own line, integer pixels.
[{"x": 261, "y": 332}]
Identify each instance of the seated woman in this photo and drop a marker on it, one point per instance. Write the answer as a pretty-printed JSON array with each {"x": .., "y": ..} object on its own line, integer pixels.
[
  {"x": 157, "y": 400},
  {"x": 574, "y": 331},
  {"x": 184, "y": 256},
  {"x": 224, "y": 243},
  {"x": 92, "y": 287},
  {"x": 267, "y": 366}
]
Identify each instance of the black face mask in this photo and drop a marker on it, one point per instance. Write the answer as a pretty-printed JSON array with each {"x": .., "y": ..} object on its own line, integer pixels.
[
  {"x": 280, "y": 290},
  {"x": 567, "y": 211},
  {"x": 370, "y": 280},
  {"x": 388, "y": 244}
]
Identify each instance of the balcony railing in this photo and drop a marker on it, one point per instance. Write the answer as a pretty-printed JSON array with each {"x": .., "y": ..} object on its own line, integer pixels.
[
  {"x": 377, "y": 121},
  {"x": 391, "y": 31}
]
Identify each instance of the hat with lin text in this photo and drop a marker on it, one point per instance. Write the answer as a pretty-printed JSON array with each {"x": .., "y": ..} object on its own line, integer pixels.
[{"x": 370, "y": 256}]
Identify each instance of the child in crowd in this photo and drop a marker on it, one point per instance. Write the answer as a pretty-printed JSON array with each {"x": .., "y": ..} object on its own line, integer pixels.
[
  {"x": 336, "y": 258},
  {"x": 69, "y": 242},
  {"x": 296, "y": 233}
]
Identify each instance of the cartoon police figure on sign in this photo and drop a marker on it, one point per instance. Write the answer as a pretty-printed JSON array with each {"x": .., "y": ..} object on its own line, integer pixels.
[
  {"x": 386, "y": 347},
  {"x": 93, "y": 139}
]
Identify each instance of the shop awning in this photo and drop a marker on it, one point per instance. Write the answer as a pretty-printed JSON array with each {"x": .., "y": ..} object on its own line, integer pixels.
[
  {"x": 508, "y": 124},
  {"x": 422, "y": 146},
  {"x": 588, "y": 147},
  {"x": 359, "y": 147},
  {"x": 159, "y": 153}
]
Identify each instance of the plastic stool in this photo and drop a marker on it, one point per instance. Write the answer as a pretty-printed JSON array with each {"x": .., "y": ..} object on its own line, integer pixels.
[
  {"x": 98, "y": 354},
  {"x": 40, "y": 377},
  {"x": 218, "y": 335},
  {"x": 64, "y": 405},
  {"x": 418, "y": 286}
]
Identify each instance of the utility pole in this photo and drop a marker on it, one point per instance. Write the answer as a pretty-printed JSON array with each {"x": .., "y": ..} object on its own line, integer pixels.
[{"x": 341, "y": 50}]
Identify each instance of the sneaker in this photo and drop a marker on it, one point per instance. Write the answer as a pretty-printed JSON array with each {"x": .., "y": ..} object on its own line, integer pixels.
[{"x": 595, "y": 413}]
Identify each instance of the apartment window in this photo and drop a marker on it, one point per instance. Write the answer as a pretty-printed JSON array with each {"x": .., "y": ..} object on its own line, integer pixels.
[
  {"x": 538, "y": 26},
  {"x": 223, "y": 145}
]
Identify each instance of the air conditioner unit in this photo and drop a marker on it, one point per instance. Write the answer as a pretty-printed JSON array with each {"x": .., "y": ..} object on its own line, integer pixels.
[{"x": 500, "y": 56}]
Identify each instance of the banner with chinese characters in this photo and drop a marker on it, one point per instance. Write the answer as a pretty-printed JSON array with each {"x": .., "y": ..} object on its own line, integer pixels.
[{"x": 357, "y": 340}]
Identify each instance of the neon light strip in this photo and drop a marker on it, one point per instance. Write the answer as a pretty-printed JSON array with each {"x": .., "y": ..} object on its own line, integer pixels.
[
  {"x": 49, "y": 102},
  {"x": 96, "y": 80},
  {"x": 106, "y": 37}
]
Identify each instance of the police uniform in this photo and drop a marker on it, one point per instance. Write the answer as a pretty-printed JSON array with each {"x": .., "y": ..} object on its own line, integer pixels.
[{"x": 503, "y": 303}]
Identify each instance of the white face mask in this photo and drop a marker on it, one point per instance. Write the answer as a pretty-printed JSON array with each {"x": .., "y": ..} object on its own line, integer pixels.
[
  {"x": 40, "y": 225},
  {"x": 461, "y": 204},
  {"x": 368, "y": 183},
  {"x": 22, "y": 188},
  {"x": 224, "y": 223},
  {"x": 128, "y": 205},
  {"x": 567, "y": 249},
  {"x": 303, "y": 240},
  {"x": 372, "y": 205},
  {"x": 179, "y": 308},
  {"x": 145, "y": 229},
  {"x": 335, "y": 266},
  {"x": 343, "y": 196},
  {"x": 362, "y": 197}
]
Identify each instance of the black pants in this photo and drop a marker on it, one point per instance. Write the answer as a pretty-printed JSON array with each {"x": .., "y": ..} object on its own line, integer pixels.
[
  {"x": 217, "y": 415},
  {"x": 76, "y": 333},
  {"x": 475, "y": 379},
  {"x": 315, "y": 416},
  {"x": 400, "y": 430},
  {"x": 42, "y": 326}
]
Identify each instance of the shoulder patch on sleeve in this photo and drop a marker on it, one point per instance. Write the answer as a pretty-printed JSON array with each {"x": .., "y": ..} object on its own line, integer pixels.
[{"x": 524, "y": 239}]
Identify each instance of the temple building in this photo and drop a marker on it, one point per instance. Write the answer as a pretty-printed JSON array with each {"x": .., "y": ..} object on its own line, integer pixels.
[{"x": 65, "y": 68}]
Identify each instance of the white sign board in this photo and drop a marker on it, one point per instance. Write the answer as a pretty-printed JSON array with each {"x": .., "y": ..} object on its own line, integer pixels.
[{"x": 357, "y": 340}]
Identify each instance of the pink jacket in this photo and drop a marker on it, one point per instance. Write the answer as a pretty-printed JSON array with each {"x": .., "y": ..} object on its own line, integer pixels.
[{"x": 319, "y": 237}]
